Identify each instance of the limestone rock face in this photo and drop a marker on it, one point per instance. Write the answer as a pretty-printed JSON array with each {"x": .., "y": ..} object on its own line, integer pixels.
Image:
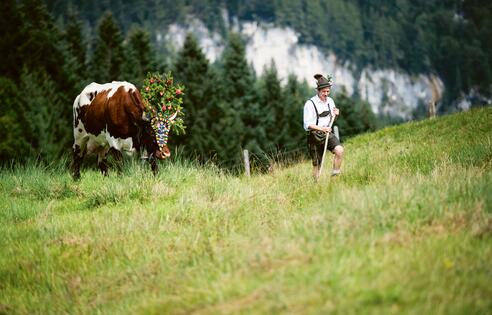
[{"x": 389, "y": 91}]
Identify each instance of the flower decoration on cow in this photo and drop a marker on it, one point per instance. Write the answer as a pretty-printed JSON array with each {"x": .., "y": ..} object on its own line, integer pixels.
[{"x": 163, "y": 105}]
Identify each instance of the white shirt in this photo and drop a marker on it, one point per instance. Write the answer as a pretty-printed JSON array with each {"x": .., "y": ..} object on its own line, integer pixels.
[{"x": 310, "y": 113}]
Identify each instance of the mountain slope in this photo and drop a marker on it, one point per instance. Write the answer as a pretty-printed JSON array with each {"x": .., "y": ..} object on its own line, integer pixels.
[
  {"x": 445, "y": 37},
  {"x": 406, "y": 229},
  {"x": 390, "y": 91}
]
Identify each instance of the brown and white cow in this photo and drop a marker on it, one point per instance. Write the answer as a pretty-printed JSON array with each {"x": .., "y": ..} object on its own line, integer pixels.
[{"x": 111, "y": 117}]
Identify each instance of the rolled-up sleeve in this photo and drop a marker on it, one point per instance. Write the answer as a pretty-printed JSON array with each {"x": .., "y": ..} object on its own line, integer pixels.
[{"x": 309, "y": 115}]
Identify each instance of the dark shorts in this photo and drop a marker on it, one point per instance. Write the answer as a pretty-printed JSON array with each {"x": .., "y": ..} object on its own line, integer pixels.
[{"x": 316, "y": 147}]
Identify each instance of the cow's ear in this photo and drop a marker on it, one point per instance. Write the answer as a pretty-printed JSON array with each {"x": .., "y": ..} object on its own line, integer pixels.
[{"x": 146, "y": 116}]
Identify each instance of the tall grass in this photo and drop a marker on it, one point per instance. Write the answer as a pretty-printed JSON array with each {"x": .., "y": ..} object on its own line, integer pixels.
[{"x": 406, "y": 229}]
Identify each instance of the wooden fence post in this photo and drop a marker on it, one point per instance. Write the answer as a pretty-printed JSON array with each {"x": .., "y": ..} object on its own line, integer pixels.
[
  {"x": 246, "y": 163},
  {"x": 431, "y": 108}
]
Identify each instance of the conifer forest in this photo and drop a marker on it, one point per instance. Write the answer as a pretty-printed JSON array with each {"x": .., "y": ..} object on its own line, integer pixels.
[{"x": 50, "y": 50}]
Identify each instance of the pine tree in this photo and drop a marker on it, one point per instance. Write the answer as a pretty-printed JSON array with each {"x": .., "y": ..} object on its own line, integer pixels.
[
  {"x": 229, "y": 133},
  {"x": 192, "y": 69},
  {"x": 49, "y": 131},
  {"x": 477, "y": 13},
  {"x": 209, "y": 130},
  {"x": 272, "y": 104},
  {"x": 13, "y": 125},
  {"x": 76, "y": 45},
  {"x": 236, "y": 84},
  {"x": 13, "y": 36},
  {"x": 355, "y": 117},
  {"x": 238, "y": 79},
  {"x": 314, "y": 20},
  {"x": 74, "y": 49},
  {"x": 343, "y": 30},
  {"x": 139, "y": 56},
  {"x": 108, "y": 55},
  {"x": 239, "y": 103},
  {"x": 295, "y": 97},
  {"x": 40, "y": 51},
  {"x": 367, "y": 117},
  {"x": 46, "y": 82},
  {"x": 210, "y": 12}
]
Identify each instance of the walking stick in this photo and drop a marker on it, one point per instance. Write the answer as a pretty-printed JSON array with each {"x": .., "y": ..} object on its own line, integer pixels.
[{"x": 324, "y": 150}]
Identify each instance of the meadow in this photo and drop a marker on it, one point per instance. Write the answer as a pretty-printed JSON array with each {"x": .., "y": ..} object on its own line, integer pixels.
[{"x": 407, "y": 229}]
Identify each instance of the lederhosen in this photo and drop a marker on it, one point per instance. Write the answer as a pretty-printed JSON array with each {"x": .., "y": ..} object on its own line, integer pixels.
[{"x": 316, "y": 141}]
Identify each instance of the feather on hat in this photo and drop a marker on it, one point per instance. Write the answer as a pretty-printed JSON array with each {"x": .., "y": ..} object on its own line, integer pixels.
[{"x": 322, "y": 82}]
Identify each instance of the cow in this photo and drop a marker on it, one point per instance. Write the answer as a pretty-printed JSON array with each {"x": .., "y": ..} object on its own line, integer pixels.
[{"x": 112, "y": 117}]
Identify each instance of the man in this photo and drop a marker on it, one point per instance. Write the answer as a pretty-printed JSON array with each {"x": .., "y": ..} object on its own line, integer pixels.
[{"x": 318, "y": 113}]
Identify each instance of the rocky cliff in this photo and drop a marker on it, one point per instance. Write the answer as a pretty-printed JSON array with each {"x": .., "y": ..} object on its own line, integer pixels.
[{"x": 388, "y": 91}]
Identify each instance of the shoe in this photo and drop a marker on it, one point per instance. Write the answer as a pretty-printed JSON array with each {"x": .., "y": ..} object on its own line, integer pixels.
[{"x": 336, "y": 173}]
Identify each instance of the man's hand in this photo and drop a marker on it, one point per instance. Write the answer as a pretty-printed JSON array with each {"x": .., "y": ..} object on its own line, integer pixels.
[
  {"x": 315, "y": 127},
  {"x": 336, "y": 111}
]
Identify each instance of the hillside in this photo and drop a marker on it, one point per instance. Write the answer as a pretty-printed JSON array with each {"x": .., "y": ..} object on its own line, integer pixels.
[{"x": 407, "y": 229}]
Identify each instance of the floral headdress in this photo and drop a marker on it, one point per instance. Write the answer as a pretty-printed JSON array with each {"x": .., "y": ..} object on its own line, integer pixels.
[{"x": 163, "y": 105}]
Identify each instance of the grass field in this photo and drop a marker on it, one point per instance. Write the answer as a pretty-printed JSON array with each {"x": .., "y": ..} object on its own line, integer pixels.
[{"x": 407, "y": 229}]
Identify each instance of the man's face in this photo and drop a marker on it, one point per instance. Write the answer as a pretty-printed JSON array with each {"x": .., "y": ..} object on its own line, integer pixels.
[{"x": 323, "y": 93}]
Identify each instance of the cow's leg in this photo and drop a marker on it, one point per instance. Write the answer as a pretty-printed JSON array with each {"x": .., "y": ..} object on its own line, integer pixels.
[
  {"x": 79, "y": 149},
  {"x": 103, "y": 166},
  {"x": 153, "y": 165},
  {"x": 102, "y": 162},
  {"x": 78, "y": 157}
]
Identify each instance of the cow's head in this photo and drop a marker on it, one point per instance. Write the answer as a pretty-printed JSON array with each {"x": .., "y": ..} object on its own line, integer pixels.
[{"x": 159, "y": 134}]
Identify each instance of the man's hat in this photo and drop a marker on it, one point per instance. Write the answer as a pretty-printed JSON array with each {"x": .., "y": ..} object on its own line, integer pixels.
[{"x": 322, "y": 82}]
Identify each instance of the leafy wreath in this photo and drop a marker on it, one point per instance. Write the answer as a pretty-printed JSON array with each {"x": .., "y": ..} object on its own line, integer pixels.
[{"x": 162, "y": 99}]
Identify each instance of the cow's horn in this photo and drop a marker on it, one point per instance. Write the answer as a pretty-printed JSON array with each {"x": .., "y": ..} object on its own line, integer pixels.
[{"x": 173, "y": 116}]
